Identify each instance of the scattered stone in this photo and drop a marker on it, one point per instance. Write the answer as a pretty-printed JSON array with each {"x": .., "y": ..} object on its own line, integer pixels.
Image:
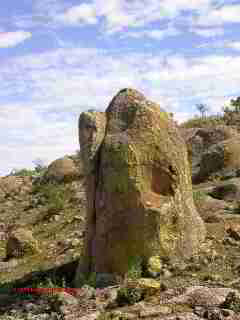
[
  {"x": 234, "y": 232},
  {"x": 199, "y": 295},
  {"x": 155, "y": 311},
  {"x": 21, "y": 242},
  {"x": 166, "y": 273}
]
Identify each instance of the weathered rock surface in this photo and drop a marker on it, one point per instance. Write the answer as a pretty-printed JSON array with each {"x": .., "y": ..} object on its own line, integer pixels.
[
  {"x": 139, "y": 186},
  {"x": 92, "y": 127},
  {"x": 199, "y": 140},
  {"x": 220, "y": 158},
  {"x": 63, "y": 170}
]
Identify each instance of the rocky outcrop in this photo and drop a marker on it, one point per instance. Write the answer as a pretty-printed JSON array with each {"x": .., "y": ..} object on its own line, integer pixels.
[
  {"x": 199, "y": 141},
  {"x": 139, "y": 186},
  {"x": 222, "y": 158}
]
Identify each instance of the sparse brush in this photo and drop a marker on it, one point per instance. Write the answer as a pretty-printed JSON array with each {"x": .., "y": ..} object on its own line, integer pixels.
[
  {"x": 135, "y": 268},
  {"x": 198, "y": 195},
  {"x": 130, "y": 296},
  {"x": 203, "y": 122}
]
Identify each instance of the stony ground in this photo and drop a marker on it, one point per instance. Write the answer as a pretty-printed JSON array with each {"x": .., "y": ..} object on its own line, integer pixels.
[{"x": 205, "y": 287}]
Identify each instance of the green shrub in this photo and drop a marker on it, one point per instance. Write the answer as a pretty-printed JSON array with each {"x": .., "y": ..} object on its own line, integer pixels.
[
  {"x": 55, "y": 196},
  {"x": 87, "y": 279},
  {"x": 135, "y": 268},
  {"x": 91, "y": 280},
  {"x": 22, "y": 172},
  {"x": 198, "y": 195},
  {"x": 127, "y": 295},
  {"x": 37, "y": 171}
]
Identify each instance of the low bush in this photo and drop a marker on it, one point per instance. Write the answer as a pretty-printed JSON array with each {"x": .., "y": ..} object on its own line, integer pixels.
[
  {"x": 135, "y": 268},
  {"x": 130, "y": 296},
  {"x": 55, "y": 195},
  {"x": 198, "y": 195},
  {"x": 203, "y": 122}
]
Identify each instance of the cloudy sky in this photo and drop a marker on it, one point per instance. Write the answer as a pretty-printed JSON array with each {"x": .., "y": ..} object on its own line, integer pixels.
[{"x": 61, "y": 57}]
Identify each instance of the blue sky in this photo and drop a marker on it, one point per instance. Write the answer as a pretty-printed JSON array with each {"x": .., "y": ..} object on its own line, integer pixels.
[{"x": 61, "y": 57}]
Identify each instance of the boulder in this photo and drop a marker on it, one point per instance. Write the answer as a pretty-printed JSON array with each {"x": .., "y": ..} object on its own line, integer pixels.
[
  {"x": 198, "y": 140},
  {"x": 62, "y": 170},
  {"x": 140, "y": 200},
  {"x": 21, "y": 242},
  {"x": 220, "y": 157}
]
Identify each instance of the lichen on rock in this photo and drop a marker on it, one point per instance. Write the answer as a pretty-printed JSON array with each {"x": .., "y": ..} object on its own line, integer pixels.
[{"x": 139, "y": 187}]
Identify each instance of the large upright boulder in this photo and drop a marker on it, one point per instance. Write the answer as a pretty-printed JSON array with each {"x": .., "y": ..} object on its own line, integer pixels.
[{"x": 140, "y": 201}]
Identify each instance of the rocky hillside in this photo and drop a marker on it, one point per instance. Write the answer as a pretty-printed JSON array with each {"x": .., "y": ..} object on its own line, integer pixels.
[{"x": 47, "y": 223}]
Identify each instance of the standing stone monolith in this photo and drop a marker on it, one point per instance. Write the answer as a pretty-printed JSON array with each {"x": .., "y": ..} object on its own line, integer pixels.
[{"x": 140, "y": 201}]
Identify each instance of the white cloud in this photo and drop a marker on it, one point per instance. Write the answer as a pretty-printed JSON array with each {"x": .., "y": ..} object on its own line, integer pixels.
[
  {"x": 82, "y": 14},
  {"x": 234, "y": 45},
  {"x": 152, "y": 34},
  {"x": 213, "y": 32},
  {"x": 26, "y": 135},
  {"x": 118, "y": 15},
  {"x": 225, "y": 14},
  {"x": 59, "y": 84},
  {"x": 12, "y": 39}
]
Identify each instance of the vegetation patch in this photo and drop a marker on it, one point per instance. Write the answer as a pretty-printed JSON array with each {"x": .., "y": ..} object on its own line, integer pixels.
[
  {"x": 198, "y": 195},
  {"x": 135, "y": 268},
  {"x": 203, "y": 122},
  {"x": 55, "y": 196},
  {"x": 126, "y": 296}
]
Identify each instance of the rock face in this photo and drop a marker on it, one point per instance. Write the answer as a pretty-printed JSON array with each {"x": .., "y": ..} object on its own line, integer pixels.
[
  {"x": 140, "y": 201},
  {"x": 222, "y": 158},
  {"x": 199, "y": 140}
]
